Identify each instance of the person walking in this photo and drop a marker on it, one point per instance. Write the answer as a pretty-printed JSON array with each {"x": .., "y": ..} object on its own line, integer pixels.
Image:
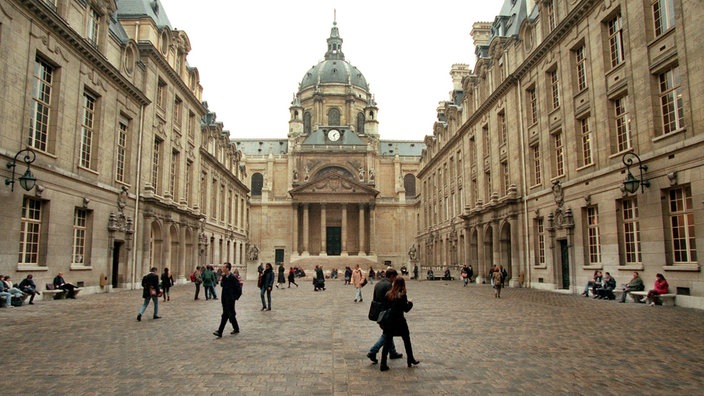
[
  {"x": 396, "y": 325},
  {"x": 197, "y": 279},
  {"x": 267, "y": 284},
  {"x": 358, "y": 281},
  {"x": 380, "y": 303},
  {"x": 167, "y": 280},
  {"x": 231, "y": 292},
  {"x": 319, "y": 280},
  {"x": 281, "y": 279},
  {"x": 209, "y": 283},
  {"x": 292, "y": 277},
  {"x": 465, "y": 275},
  {"x": 151, "y": 291},
  {"x": 497, "y": 278}
]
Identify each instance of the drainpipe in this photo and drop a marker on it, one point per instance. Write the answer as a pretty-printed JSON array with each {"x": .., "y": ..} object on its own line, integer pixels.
[
  {"x": 137, "y": 223},
  {"x": 526, "y": 241}
]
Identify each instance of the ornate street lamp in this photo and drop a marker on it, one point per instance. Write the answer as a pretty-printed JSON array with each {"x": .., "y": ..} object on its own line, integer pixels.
[
  {"x": 631, "y": 184},
  {"x": 27, "y": 180}
]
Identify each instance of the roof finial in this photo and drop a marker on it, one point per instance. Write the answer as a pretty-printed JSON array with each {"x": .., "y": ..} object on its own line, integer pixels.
[{"x": 334, "y": 16}]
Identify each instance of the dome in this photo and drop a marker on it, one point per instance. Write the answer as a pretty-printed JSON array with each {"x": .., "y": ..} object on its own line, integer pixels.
[{"x": 334, "y": 69}]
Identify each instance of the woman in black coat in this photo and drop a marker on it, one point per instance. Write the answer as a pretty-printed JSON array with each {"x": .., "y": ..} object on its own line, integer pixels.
[
  {"x": 396, "y": 325},
  {"x": 281, "y": 280}
]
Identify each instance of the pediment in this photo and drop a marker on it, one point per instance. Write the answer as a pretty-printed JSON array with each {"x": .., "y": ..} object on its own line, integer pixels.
[{"x": 333, "y": 183}]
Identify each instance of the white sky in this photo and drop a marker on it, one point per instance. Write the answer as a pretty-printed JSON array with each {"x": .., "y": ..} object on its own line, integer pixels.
[{"x": 251, "y": 55}]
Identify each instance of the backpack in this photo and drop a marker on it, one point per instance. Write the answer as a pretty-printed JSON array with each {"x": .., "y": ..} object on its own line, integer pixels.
[{"x": 193, "y": 276}]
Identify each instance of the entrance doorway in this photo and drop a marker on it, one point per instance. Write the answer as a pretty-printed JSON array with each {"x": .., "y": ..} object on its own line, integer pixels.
[
  {"x": 279, "y": 256},
  {"x": 333, "y": 241},
  {"x": 565, "y": 264},
  {"x": 115, "y": 263}
]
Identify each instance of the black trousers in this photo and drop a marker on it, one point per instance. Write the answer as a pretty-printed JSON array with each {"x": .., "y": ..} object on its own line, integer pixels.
[
  {"x": 389, "y": 341},
  {"x": 69, "y": 289},
  {"x": 197, "y": 290},
  {"x": 228, "y": 313}
]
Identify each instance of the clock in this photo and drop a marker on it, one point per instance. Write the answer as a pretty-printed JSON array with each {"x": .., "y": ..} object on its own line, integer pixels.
[{"x": 334, "y": 135}]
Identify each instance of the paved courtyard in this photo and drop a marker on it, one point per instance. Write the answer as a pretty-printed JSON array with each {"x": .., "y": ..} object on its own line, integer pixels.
[{"x": 528, "y": 342}]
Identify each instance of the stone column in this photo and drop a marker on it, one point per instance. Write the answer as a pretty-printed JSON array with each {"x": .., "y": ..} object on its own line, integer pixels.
[
  {"x": 496, "y": 243},
  {"x": 515, "y": 255},
  {"x": 146, "y": 250},
  {"x": 481, "y": 269},
  {"x": 323, "y": 231},
  {"x": 181, "y": 273},
  {"x": 306, "y": 213},
  {"x": 294, "y": 224},
  {"x": 343, "y": 233},
  {"x": 372, "y": 228},
  {"x": 362, "y": 250}
]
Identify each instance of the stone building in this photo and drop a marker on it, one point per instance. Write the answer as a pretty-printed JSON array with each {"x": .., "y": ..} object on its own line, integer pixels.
[
  {"x": 566, "y": 102},
  {"x": 333, "y": 193},
  {"x": 132, "y": 169}
]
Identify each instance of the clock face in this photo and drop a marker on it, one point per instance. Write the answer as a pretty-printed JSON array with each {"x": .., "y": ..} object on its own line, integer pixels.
[{"x": 334, "y": 135}]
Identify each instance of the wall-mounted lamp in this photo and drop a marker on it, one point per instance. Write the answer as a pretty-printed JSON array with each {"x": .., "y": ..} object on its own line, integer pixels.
[
  {"x": 27, "y": 180},
  {"x": 631, "y": 184}
]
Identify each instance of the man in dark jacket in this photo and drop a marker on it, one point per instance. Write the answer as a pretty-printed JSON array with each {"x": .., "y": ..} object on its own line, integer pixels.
[
  {"x": 231, "y": 292},
  {"x": 60, "y": 283},
  {"x": 636, "y": 284},
  {"x": 380, "y": 303},
  {"x": 267, "y": 285},
  {"x": 151, "y": 291}
]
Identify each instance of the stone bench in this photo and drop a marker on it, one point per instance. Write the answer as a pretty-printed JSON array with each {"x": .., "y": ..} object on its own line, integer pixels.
[
  {"x": 23, "y": 298},
  {"x": 56, "y": 294},
  {"x": 666, "y": 299}
]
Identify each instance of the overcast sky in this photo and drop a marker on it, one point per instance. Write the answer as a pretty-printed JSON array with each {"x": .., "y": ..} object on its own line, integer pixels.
[{"x": 251, "y": 55}]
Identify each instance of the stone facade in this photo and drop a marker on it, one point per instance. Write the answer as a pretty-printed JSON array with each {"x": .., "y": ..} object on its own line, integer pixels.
[
  {"x": 132, "y": 169},
  {"x": 564, "y": 97}
]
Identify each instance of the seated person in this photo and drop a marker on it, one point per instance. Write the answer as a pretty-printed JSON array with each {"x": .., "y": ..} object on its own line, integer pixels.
[
  {"x": 404, "y": 270},
  {"x": 29, "y": 287},
  {"x": 5, "y": 294},
  {"x": 430, "y": 274},
  {"x": 606, "y": 291},
  {"x": 60, "y": 283},
  {"x": 593, "y": 284},
  {"x": 10, "y": 288},
  {"x": 447, "y": 275},
  {"x": 636, "y": 284},
  {"x": 660, "y": 287}
]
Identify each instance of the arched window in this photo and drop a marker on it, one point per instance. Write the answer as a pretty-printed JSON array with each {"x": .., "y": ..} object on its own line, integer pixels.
[
  {"x": 334, "y": 117},
  {"x": 306, "y": 122},
  {"x": 360, "y": 123},
  {"x": 257, "y": 184},
  {"x": 409, "y": 184}
]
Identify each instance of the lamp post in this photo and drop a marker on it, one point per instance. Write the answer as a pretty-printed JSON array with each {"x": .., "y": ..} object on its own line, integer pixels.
[
  {"x": 27, "y": 180},
  {"x": 631, "y": 184}
]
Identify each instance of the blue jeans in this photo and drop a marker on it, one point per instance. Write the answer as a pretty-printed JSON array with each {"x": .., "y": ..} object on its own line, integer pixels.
[
  {"x": 8, "y": 298},
  {"x": 358, "y": 294},
  {"x": 146, "y": 302},
  {"x": 380, "y": 343},
  {"x": 210, "y": 292},
  {"x": 268, "y": 296}
]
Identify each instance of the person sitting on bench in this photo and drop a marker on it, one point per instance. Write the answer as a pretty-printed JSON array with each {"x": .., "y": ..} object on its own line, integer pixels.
[
  {"x": 606, "y": 291},
  {"x": 60, "y": 283},
  {"x": 660, "y": 287},
  {"x": 29, "y": 287}
]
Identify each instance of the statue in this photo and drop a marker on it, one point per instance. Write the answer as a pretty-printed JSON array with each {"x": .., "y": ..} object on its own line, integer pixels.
[
  {"x": 361, "y": 174},
  {"x": 371, "y": 174},
  {"x": 413, "y": 253},
  {"x": 253, "y": 253},
  {"x": 295, "y": 175},
  {"x": 307, "y": 173}
]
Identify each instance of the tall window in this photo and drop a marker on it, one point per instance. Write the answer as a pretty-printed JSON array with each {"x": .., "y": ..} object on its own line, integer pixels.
[
  {"x": 161, "y": 94},
  {"x": 173, "y": 175},
  {"x": 631, "y": 231},
  {"x": 593, "y": 239},
  {"x": 121, "y": 157},
  {"x": 681, "y": 212},
  {"x": 623, "y": 129},
  {"x": 191, "y": 125},
  {"x": 671, "y": 100},
  {"x": 540, "y": 241},
  {"x": 581, "y": 64},
  {"x": 222, "y": 202},
  {"x": 663, "y": 15},
  {"x": 257, "y": 184},
  {"x": 39, "y": 117},
  {"x": 506, "y": 178},
  {"x": 156, "y": 165},
  {"x": 550, "y": 11},
  {"x": 79, "y": 236},
  {"x": 535, "y": 159},
  {"x": 214, "y": 199},
  {"x": 503, "y": 134},
  {"x": 554, "y": 89},
  {"x": 187, "y": 181},
  {"x": 487, "y": 186},
  {"x": 30, "y": 232},
  {"x": 203, "y": 191},
  {"x": 585, "y": 135},
  {"x": 333, "y": 117},
  {"x": 178, "y": 111},
  {"x": 87, "y": 129},
  {"x": 615, "y": 26},
  {"x": 93, "y": 27},
  {"x": 532, "y": 106},
  {"x": 486, "y": 140},
  {"x": 559, "y": 154}
]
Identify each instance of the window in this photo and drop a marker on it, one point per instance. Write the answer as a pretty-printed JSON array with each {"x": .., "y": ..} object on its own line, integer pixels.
[
  {"x": 540, "y": 242},
  {"x": 532, "y": 106},
  {"x": 593, "y": 239},
  {"x": 121, "y": 155},
  {"x": 333, "y": 117},
  {"x": 550, "y": 12},
  {"x": 671, "y": 100},
  {"x": 156, "y": 165},
  {"x": 486, "y": 140},
  {"x": 93, "y": 26},
  {"x": 615, "y": 26},
  {"x": 585, "y": 140},
  {"x": 554, "y": 89},
  {"x": 559, "y": 154},
  {"x": 506, "y": 180},
  {"x": 178, "y": 111},
  {"x": 360, "y": 123},
  {"x": 161, "y": 94},
  {"x": 307, "y": 122},
  {"x": 222, "y": 202},
  {"x": 631, "y": 231},
  {"x": 501, "y": 120},
  {"x": 475, "y": 189},
  {"x": 536, "y": 176},
  {"x": 87, "y": 129},
  {"x": 663, "y": 15},
  {"x": 80, "y": 233},
  {"x": 214, "y": 199},
  {"x": 409, "y": 184},
  {"x": 581, "y": 67},
  {"x": 257, "y": 184},
  {"x": 187, "y": 182},
  {"x": 173, "y": 175},
  {"x": 203, "y": 191},
  {"x": 191, "y": 125},
  {"x": 40, "y": 113},
  {"x": 684, "y": 248},
  {"x": 487, "y": 186},
  {"x": 623, "y": 124},
  {"x": 30, "y": 232}
]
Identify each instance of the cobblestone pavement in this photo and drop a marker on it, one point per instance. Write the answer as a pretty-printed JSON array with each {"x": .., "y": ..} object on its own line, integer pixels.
[{"x": 527, "y": 342}]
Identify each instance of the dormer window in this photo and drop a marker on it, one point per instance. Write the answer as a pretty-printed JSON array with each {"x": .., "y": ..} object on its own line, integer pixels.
[{"x": 93, "y": 26}]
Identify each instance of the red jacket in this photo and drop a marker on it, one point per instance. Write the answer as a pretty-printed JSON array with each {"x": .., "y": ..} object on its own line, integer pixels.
[{"x": 661, "y": 286}]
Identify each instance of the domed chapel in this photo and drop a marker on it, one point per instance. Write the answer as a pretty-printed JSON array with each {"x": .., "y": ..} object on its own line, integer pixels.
[{"x": 332, "y": 193}]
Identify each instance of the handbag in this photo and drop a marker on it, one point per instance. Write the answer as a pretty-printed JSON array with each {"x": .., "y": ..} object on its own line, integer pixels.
[
  {"x": 152, "y": 291},
  {"x": 384, "y": 317},
  {"x": 374, "y": 310},
  {"x": 364, "y": 282}
]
